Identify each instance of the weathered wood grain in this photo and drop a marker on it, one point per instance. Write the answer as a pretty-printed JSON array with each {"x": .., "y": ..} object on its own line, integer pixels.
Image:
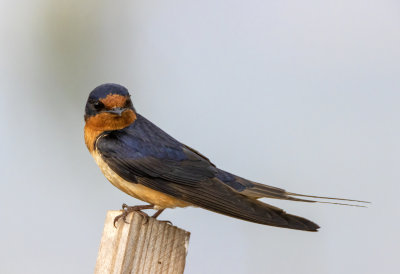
[{"x": 140, "y": 247}]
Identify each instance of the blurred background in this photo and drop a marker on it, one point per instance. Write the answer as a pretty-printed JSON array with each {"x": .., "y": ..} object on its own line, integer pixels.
[{"x": 303, "y": 95}]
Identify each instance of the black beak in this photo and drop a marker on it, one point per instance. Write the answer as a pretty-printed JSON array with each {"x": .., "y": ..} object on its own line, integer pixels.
[{"x": 117, "y": 111}]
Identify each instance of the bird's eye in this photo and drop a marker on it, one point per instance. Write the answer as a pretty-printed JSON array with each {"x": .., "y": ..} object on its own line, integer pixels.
[
  {"x": 98, "y": 105},
  {"x": 128, "y": 102}
]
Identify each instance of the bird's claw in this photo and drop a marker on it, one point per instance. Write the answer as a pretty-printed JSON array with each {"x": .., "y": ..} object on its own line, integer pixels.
[
  {"x": 167, "y": 222},
  {"x": 128, "y": 209},
  {"x": 123, "y": 216}
]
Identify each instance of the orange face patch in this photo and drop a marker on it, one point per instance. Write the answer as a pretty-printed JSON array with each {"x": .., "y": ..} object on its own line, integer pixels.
[
  {"x": 114, "y": 101},
  {"x": 96, "y": 125}
]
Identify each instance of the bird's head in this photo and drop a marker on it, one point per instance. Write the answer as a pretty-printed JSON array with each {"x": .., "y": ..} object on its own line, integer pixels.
[{"x": 109, "y": 107}]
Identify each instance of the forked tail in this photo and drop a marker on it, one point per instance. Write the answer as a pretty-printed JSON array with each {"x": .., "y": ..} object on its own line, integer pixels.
[{"x": 326, "y": 198}]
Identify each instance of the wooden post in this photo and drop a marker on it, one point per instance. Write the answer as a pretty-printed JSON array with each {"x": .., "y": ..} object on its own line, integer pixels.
[{"x": 139, "y": 247}]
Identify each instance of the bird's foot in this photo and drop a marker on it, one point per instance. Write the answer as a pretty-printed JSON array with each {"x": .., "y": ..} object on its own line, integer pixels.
[{"x": 128, "y": 209}]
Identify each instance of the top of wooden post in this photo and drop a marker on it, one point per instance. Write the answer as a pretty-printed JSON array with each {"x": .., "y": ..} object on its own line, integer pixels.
[{"x": 141, "y": 247}]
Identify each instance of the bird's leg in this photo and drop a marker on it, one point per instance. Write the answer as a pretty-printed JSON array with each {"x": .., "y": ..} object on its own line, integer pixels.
[
  {"x": 128, "y": 209},
  {"x": 155, "y": 215}
]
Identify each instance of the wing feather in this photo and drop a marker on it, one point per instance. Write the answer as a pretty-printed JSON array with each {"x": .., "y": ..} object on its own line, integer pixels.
[{"x": 144, "y": 154}]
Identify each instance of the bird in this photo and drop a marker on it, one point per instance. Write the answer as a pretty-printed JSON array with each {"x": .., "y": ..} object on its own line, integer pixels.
[{"x": 148, "y": 164}]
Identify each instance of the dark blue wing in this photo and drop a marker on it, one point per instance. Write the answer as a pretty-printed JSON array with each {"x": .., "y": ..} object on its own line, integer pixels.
[
  {"x": 143, "y": 149},
  {"x": 142, "y": 153}
]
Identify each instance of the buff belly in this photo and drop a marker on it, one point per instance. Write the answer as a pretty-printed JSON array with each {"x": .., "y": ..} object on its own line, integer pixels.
[{"x": 160, "y": 200}]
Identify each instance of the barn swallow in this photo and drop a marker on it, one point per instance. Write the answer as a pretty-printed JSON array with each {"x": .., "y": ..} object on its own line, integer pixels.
[{"x": 145, "y": 162}]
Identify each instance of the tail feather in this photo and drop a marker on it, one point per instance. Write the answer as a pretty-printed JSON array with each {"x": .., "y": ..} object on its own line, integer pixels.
[
  {"x": 266, "y": 214},
  {"x": 329, "y": 198},
  {"x": 257, "y": 190},
  {"x": 218, "y": 197}
]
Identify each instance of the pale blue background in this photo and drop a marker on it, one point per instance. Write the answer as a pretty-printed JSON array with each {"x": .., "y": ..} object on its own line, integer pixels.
[{"x": 302, "y": 95}]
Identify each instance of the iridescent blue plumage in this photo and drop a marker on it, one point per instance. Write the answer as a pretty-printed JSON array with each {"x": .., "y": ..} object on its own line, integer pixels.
[
  {"x": 147, "y": 145},
  {"x": 144, "y": 154},
  {"x": 102, "y": 91},
  {"x": 142, "y": 139}
]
